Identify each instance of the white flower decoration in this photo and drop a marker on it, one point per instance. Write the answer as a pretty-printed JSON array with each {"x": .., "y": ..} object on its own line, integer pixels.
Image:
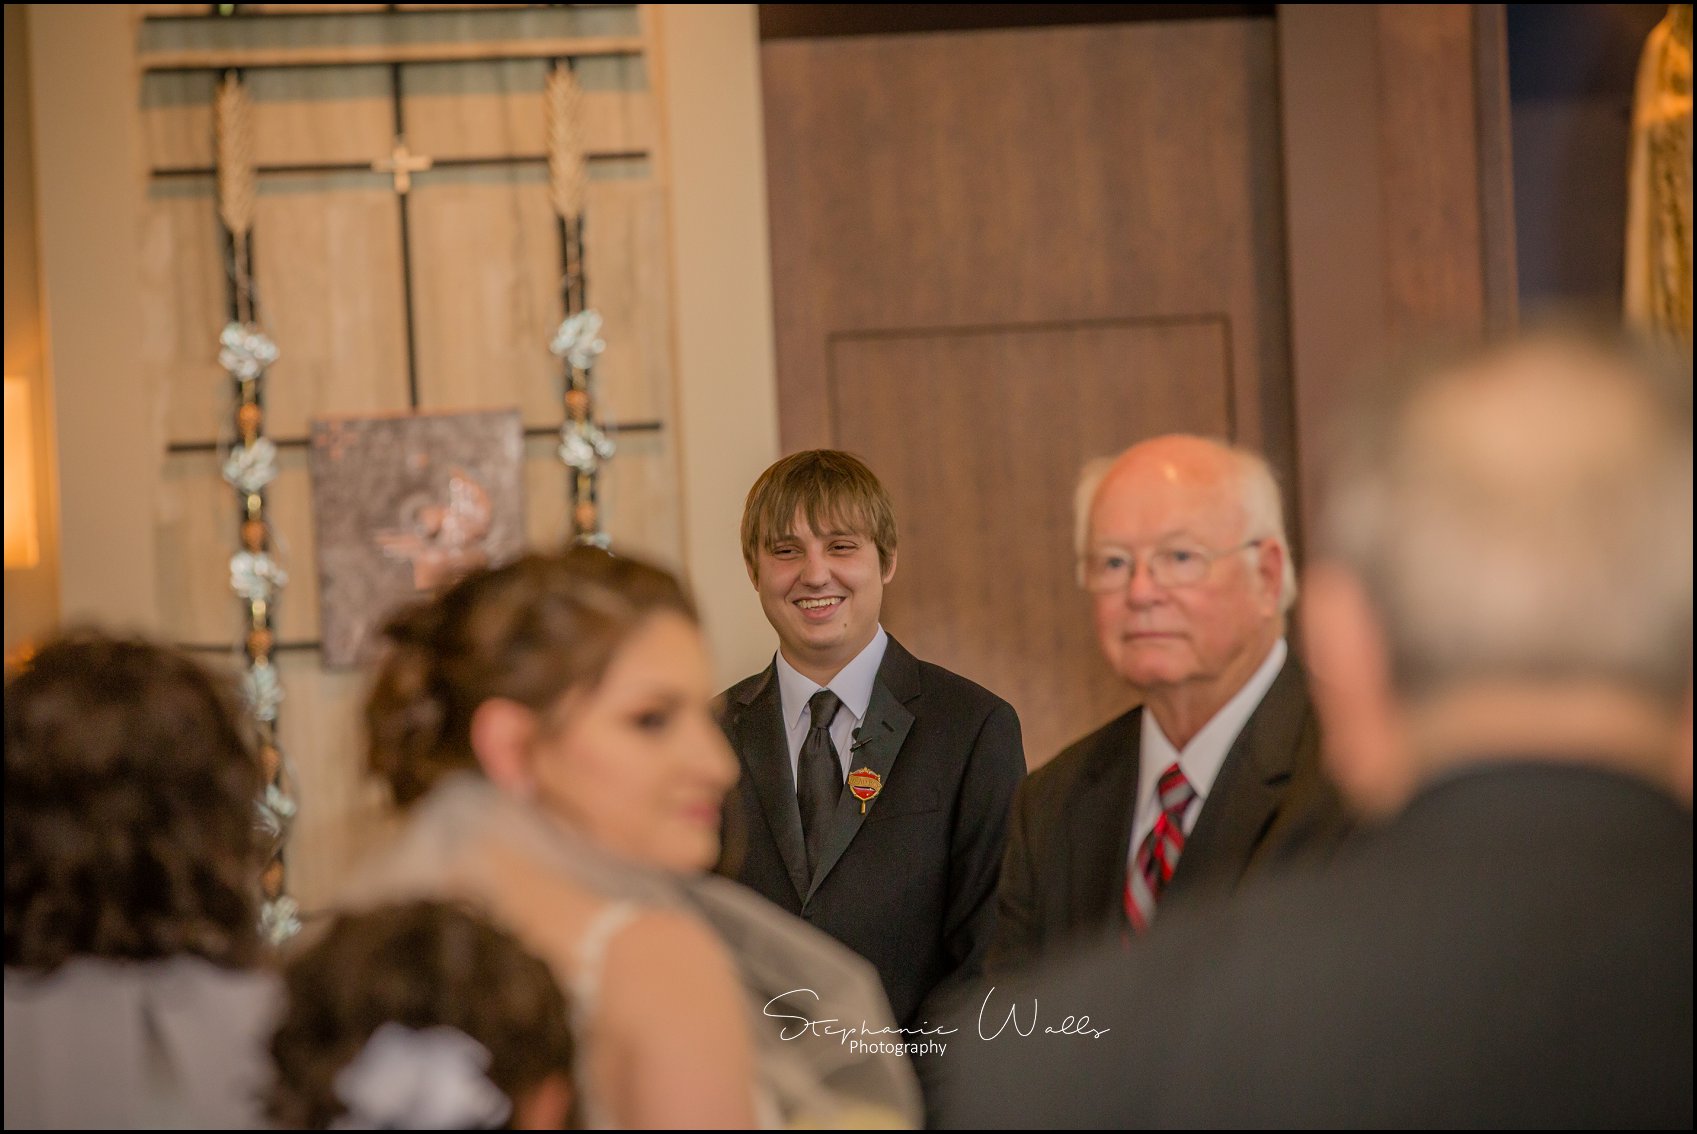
[
  {"x": 583, "y": 446},
  {"x": 256, "y": 576},
  {"x": 578, "y": 339},
  {"x": 250, "y": 468},
  {"x": 279, "y": 920},
  {"x": 420, "y": 1080},
  {"x": 276, "y": 811},
  {"x": 246, "y": 351},
  {"x": 263, "y": 689}
]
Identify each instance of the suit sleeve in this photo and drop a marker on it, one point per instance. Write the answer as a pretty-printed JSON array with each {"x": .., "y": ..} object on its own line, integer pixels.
[
  {"x": 1016, "y": 939},
  {"x": 994, "y": 770}
]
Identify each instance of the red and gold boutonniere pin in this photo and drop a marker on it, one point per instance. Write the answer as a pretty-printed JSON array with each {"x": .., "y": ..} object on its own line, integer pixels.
[{"x": 865, "y": 784}]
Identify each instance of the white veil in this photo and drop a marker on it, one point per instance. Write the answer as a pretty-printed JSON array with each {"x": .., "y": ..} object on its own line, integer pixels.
[{"x": 809, "y": 1078}]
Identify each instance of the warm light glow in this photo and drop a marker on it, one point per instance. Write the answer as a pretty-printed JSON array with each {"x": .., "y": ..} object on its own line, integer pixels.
[{"x": 23, "y": 543}]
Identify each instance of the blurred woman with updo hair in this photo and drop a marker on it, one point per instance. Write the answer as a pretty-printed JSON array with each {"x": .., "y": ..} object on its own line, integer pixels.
[
  {"x": 132, "y": 882},
  {"x": 548, "y": 725}
]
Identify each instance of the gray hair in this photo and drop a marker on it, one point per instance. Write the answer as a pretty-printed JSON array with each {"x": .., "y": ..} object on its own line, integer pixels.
[
  {"x": 1090, "y": 478},
  {"x": 1263, "y": 507},
  {"x": 1525, "y": 514}
]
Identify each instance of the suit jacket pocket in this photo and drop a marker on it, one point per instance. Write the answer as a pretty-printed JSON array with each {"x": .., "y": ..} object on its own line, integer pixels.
[{"x": 909, "y": 803}]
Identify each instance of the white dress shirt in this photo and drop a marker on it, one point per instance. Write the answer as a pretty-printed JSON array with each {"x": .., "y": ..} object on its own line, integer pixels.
[
  {"x": 852, "y": 685},
  {"x": 1201, "y": 759}
]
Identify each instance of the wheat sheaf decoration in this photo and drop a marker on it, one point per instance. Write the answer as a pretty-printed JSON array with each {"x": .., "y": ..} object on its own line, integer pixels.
[
  {"x": 567, "y": 175},
  {"x": 238, "y": 182}
]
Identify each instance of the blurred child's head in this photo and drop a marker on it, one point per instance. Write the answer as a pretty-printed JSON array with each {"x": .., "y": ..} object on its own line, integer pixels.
[{"x": 422, "y": 1015}]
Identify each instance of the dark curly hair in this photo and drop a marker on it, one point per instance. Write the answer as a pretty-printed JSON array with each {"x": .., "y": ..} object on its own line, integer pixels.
[
  {"x": 529, "y": 632},
  {"x": 131, "y": 777},
  {"x": 419, "y": 964}
]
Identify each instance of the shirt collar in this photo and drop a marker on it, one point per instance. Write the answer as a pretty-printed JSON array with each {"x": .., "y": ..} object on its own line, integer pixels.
[
  {"x": 853, "y": 683},
  {"x": 1202, "y": 757}
]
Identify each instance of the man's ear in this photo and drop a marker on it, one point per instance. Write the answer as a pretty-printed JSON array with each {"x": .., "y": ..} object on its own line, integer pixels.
[
  {"x": 1270, "y": 568},
  {"x": 1349, "y": 667},
  {"x": 753, "y": 566},
  {"x": 502, "y": 731},
  {"x": 890, "y": 571}
]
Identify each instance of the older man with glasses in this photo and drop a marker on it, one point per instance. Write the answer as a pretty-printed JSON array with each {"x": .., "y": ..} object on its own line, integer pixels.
[
  {"x": 1216, "y": 774},
  {"x": 1499, "y": 624}
]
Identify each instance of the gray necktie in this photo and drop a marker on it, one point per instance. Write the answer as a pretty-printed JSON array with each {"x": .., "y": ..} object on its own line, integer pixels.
[{"x": 819, "y": 777}]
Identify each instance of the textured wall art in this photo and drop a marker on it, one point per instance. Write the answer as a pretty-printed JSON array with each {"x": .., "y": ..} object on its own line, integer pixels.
[{"x": 405, "y": 505}]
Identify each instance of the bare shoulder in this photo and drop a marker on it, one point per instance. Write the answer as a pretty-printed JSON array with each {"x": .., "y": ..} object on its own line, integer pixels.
[
  {"x": 667, "y": 953},
  {"x": 675, "y": 1027}
]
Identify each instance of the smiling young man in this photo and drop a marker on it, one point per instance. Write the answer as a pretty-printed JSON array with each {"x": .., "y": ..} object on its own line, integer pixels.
[{"x": 875, "y": 786}]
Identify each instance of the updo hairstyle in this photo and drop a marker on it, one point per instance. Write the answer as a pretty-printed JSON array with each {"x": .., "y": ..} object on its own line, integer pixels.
[{"x": 528, "y": 632}]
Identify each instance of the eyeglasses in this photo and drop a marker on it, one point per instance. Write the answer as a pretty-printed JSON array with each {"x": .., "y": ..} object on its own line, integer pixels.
[{"x": 1109, "y": 569}]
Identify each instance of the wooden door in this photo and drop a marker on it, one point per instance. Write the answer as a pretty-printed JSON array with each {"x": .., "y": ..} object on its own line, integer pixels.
[{"x": 999, "y": 254}]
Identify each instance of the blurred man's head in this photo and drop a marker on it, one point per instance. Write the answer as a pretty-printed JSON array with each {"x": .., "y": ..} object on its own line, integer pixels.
[
  {"x": 1185, "y": 554},
  {"x": 1505, "y": 570}
]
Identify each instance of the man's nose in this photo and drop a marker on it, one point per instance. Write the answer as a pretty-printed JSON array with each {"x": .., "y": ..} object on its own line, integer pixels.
[
  {"x": 815, "y": 570},
  {"x": 1141, "y": 589}
]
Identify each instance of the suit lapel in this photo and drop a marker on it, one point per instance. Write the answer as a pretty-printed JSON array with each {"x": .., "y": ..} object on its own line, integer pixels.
[
  {"x": 761, "y": 741},
  {"x": 1248, "y": 789},
  {"x": 1101, "y": 818},
  {"x": 879, "y": 740}
]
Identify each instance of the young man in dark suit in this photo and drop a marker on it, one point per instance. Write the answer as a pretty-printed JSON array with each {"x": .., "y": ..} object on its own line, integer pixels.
[{"x": 875, "y": 786}]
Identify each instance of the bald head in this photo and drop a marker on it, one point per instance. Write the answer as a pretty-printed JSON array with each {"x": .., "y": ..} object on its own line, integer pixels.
[
  {"x": 1526, "y": 513},
  {"x": 1176, "y": 458},
  {"x": 1226, "y": 478}
]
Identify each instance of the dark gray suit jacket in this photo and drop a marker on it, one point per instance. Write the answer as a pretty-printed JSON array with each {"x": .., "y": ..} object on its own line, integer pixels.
[
  {"x": 910, "y": 883},
  {"x": 1070, "y": 839},
  {"x": 1513, "y": 950}
]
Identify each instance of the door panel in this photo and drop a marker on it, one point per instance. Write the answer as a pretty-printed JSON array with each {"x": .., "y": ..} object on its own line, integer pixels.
[
  {"x": 997, "y": 254},
  {"x": 987, "y": 589}
]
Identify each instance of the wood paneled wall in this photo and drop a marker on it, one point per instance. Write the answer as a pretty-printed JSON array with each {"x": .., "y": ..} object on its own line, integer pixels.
[
  {"x": 1397, "y": 189},
  {"x": 954, "y": 214},
  {"x": 999, "y": 254}
]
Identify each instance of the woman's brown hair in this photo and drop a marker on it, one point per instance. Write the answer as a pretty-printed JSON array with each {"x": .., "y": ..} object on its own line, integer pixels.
[
  {"x": 131, "y": 780},
  {"x": 528, "y": 632}
]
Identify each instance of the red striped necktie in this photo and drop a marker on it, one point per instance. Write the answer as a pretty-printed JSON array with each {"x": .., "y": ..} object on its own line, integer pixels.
[{"x": 1158, "y": 856}]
